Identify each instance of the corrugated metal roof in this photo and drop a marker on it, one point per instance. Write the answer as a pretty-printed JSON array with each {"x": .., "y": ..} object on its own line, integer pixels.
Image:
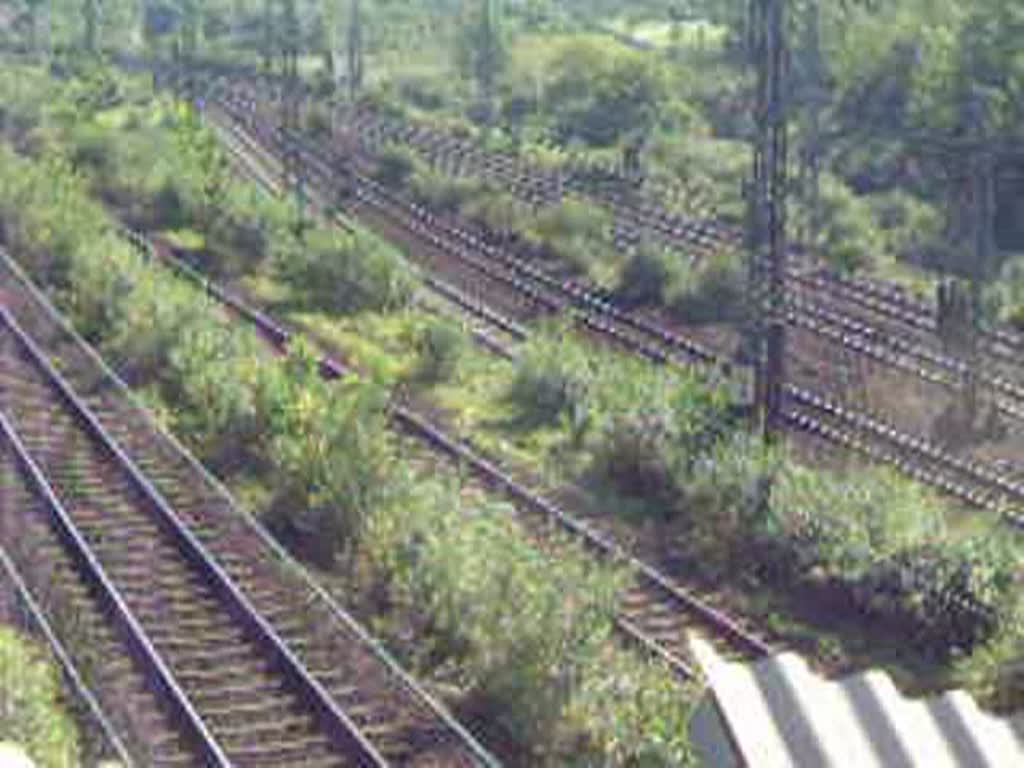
[{"x": 777, "y": 712}]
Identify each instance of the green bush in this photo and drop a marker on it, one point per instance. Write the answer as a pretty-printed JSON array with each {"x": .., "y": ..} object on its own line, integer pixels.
[
  {"x": 440, "y": 347},
  {"x": 635, "y": 714},
  {"x": 31, "y": 712},
  {"x": 880, "y": 541},
  {"x": 714, "y": 292},
  {"x": 651, "y": 428},
  {"x": 150, "y": 325},
  {"x": 442, "y": 193},
  {"x": 343, "y": 272},
  {"x": 954, "y": 597},
  {"x": 211, "y": 381},
  {"x": 395, "y": 166},
  {"x": 497, "y": 211},
  {"x": 651, "y": 275},
  {"x": 574, "y": 231},
  {"x": 551, "y": 380},
  {"x": 332, "y": 459},
  {"x": 526, "y": 626}
]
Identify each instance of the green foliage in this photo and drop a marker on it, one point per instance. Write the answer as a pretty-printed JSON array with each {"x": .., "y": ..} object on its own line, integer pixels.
[
  {"x": 848, "y": 236},
  {"x": 498, "y": 211},
  {"x": 644, "y": 428},
  {"x": 395, "y": 165},
  {"x": 440, "y": 346},
  {"x": 204, "y": 169},
  {"x": 575, "y": 231},
  {"x": 601, "y": 95},
  {"x": 551, "y": 380},
  {"x": 954, "y": 597},
  {"x": 713, "y": 292},
  {"x": 344, "y": 272},
  {"x": 651, "y": 428},
  {"x": 211, "y": 380},
  {"x": 330, "y": 452},
  {"x": 147, "y": 328},
  {"x": 878, "y": 540},
  {"x": 651, "y": 275},
  {"x": 640, "y": 713},
  {"x": 523, "y": 629},
  {"x": 908, "y": 226},
  {"x": 443, "y": 193},
  {"x": 31, "y": 712}
]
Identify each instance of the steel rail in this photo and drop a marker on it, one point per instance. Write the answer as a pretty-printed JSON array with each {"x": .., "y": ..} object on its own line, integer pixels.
[
  {"x": 142, "y": 648},
  {"x": 340, "y": 614},
  {"x": 341, "y": 730},
  {"x": 490, "y": 472},
  {"x": 69, "y": 670}
]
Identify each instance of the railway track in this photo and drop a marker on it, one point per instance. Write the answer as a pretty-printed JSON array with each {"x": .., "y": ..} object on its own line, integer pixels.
[
  {"x": 638, "y": 214},
  {"x": 656, "y": 611},
  {"x": 887, "y": 312},
  {"x": 808, "y": 413},
  {"x": 232, "y": 657},
  {"x": 19, "y": 607}
]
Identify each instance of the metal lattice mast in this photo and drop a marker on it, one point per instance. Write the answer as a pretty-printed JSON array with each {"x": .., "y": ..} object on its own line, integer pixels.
[{"x": 767, "y": 240}]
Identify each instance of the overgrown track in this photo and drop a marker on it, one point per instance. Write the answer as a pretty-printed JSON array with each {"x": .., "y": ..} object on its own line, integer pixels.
[
  {"x": 504, "y": 273},
  {"x": 879, "y": 321},
  {"x": 254, "y": 665},
  {"x": 656, "y": 611}
]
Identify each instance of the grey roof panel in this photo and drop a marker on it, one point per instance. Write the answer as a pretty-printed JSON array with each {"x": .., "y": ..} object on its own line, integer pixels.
[{"x": 777, "y": 712}]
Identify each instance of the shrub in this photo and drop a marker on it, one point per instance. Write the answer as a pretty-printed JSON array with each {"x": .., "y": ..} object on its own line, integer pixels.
[
  {"x": 211, "y": 381},
  {"x": 651, "y": 275},
  {"x": 331, "y": 456},
  {"x": 713, "y": 293},
  {"x": 30, "y": 703},
  {"x": 955, "y": 597},
  {"x": 345, "y": 273},
  {"x": 499, "y": 212},
  {"x": 440, "y": 346},
  {"x": 551, "y": 379},
  {"x": 395, "y": 166},
  {"x": 423, "y": 92},
  {"x": 574, "y": 231},
  {"x": 523, "y": 630},
  {"x": 634, "y": 713},
  {"x": 444, "y": 194},
  {"x": 149, "y": 326}
]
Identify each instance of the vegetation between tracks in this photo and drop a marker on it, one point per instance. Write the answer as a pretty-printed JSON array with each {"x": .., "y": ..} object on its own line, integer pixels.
[
  {"x": 525, "y": 632},
  {"x": 949, "y": 597},
  {"x": 866, "y": 541},
  {"x": 32, "y": 711}
]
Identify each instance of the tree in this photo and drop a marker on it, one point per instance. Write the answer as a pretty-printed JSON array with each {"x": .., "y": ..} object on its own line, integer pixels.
[
  {"x": 90, "y": 28},
  {"x": 355, "y": 50},
  {"x": 482, "y": 52}
]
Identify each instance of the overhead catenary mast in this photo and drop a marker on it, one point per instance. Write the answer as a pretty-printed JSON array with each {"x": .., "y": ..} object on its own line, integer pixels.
[{"x": 766, "y": 228}]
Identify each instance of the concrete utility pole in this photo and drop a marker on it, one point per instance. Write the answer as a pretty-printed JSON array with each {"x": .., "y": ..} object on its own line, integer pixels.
[{"x": 766, "y": 227}]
